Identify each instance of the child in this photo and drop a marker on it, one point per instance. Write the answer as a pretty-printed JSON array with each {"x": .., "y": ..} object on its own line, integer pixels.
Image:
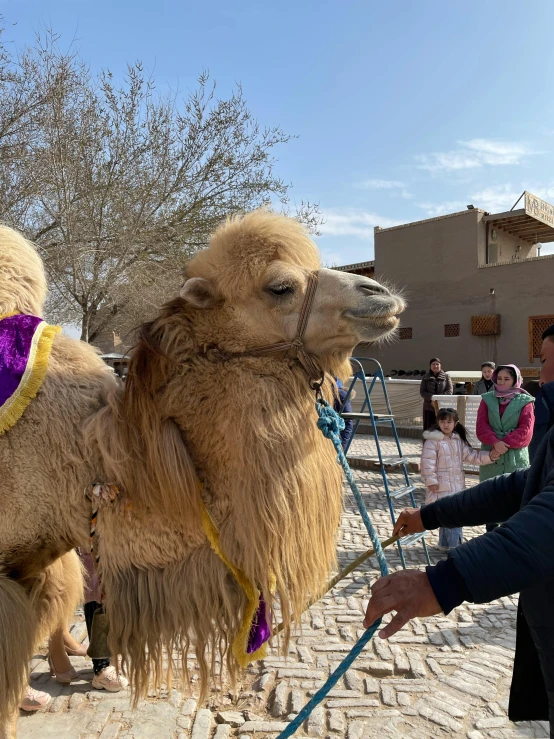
[
  {"x": 485, "y": 383},
  {"x": 505, "y": 423},
  {"x": 445, "y": 450},
  {"x": 105, "y": 674}
]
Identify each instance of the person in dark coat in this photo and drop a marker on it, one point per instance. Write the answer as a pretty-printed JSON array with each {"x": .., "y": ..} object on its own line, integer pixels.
[
  {"x": 435, "y": 382},
  {"x": 544, "y": 414},
  {"x": 544, "y": 393},
  {"x": 518, "y": 556},
  {"x": 341, "y": 407}
]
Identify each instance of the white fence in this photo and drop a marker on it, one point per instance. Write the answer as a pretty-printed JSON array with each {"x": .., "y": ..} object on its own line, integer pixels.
[
  {"x": 404, "y": 397},
  {"x": 407, "y": 404}
]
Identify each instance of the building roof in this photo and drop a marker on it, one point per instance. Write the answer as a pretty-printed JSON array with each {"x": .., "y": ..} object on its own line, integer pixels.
[
  {"x": 358, "y": 265},
  {"x": 378, "y": 229},
  {"x": 112, "y": 355},
  {"x": 533, "y": 223}
]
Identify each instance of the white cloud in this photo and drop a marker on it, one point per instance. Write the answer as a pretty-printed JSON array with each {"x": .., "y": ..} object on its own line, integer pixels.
[
  {"x": 353, "y": 222},
  {"x": 434, "y": 210},
  {"x": 496, "y": 198},
  {"x": 545, "y": 193},
  {"x": 395, "y": 187},
  {"x": 503, "y": 152},
  {"x": 475, "y": 154}
]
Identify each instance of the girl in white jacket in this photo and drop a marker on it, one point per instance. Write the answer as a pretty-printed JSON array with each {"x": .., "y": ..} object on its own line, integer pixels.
[{"x": 445, "y": 450}]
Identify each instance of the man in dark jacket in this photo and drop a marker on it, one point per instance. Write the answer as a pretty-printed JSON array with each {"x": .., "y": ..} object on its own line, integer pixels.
[
  {"x": 435, "y": 382},
  {"x": 544, "y": 396},
  {"x": 516, "y": 557}
]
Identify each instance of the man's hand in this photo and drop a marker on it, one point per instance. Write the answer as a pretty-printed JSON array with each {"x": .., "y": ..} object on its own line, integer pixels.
[
  {"x": 408, "y": 593},
  {"x": 494, "y": 455},
  {"x": 501, "y": 447},
  {"x": 408, "y": 522},
  {"x": 433, "y": 488}
]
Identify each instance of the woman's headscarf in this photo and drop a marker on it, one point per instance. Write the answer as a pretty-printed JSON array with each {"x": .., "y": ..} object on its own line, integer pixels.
[{"x": 505, "y": 394}]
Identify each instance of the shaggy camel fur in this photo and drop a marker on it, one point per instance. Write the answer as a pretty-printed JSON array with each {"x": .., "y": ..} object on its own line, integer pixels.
[{"x": 191, "y": 427}]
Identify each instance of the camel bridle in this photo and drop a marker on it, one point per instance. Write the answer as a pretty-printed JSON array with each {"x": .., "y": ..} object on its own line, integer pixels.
[{"x": 309, "y": 362}]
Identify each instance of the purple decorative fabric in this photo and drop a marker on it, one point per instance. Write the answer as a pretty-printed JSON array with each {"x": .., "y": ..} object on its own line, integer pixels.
[
  {"x": 16, "y": 337},
  {"x": 259, "y": 631}
]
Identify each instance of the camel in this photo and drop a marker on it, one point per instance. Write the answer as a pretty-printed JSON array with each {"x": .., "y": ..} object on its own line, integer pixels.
[{"x": 205, "y": 428}]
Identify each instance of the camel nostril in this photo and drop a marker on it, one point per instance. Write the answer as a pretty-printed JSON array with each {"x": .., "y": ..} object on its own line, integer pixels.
[{"x": 370, "y": 287}]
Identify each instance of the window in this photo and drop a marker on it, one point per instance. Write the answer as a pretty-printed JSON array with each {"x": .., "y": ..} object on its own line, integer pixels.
[
  {"x": 451, "y": 330},
  {"x": 485, "y": 325},
  {"x": 537, "y": 324},
  {"x": 405, "y": 333}
]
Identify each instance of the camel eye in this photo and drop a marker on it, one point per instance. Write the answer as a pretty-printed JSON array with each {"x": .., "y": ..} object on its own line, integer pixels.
[{"x": 280, "y": 289}]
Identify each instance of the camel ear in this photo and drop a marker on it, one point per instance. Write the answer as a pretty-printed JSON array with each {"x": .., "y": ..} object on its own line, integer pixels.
[{"x": 199, "y": 292}]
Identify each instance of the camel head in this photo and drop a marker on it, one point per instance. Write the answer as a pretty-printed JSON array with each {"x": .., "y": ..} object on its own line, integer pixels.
[{"x": 251, "y": 281}]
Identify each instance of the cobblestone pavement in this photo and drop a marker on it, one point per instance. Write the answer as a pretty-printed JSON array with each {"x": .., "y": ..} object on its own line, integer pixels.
[{"x": 443, "y": 676}]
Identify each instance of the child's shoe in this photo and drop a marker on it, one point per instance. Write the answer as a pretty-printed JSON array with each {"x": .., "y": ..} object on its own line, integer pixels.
[
  {"x": 108, "y": 679},
  {"x": 33, "y": 699}
]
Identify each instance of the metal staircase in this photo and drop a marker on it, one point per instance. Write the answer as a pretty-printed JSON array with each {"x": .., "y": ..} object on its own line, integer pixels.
[{"x": 369, "y": 384}]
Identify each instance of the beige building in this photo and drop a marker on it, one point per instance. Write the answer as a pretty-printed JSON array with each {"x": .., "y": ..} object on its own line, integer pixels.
[{"x": 476, "y": 285}]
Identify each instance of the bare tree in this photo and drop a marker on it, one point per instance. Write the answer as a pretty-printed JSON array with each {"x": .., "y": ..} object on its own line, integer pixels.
[
  {"x": 119, "y": 184},
  {"x": 26, "y": 82}
]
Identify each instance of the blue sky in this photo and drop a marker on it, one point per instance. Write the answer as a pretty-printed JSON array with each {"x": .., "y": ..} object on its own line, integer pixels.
[{"x": 403, "y": 110}]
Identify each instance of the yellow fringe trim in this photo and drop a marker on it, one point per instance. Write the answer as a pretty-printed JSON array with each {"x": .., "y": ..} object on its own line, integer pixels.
[
  {"x": 240, "y": 643},
  {"x": 35, "y": 372}
]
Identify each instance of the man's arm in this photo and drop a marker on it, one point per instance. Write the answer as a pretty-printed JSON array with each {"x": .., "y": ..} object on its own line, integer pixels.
[
  {"x": 494, "y": 500},
  {"x": 517, "y": 555}
]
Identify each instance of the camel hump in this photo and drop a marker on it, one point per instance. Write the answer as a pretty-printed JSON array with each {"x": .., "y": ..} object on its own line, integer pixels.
[{"x": 22, "y": 279}]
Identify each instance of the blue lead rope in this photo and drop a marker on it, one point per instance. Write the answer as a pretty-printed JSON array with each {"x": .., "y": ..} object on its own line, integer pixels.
[{"x": 331, "y": 424}]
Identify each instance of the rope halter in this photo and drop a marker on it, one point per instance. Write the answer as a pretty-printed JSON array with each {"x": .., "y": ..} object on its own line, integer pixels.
[{"x": 308, "y": 361}]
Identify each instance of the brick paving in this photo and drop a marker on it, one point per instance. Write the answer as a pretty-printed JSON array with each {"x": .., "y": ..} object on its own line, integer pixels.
[{"x": 443, "y": 676}]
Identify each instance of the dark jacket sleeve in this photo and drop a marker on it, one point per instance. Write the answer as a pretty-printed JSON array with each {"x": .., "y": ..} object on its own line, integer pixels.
[
  {"x": 447, "y": 584},
  {"x": 494, "y": 500},
  {"x": 449, "y": 390},
  {"x": 423, "y": 390},
  {"x": 517, "y": 555},
  {"x": 514, "y": 556}
]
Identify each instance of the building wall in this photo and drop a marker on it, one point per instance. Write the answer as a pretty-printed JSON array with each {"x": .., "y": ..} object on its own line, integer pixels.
[
  {"x": 437, "y": 263},
  {"x": 507, "y": 248}
]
